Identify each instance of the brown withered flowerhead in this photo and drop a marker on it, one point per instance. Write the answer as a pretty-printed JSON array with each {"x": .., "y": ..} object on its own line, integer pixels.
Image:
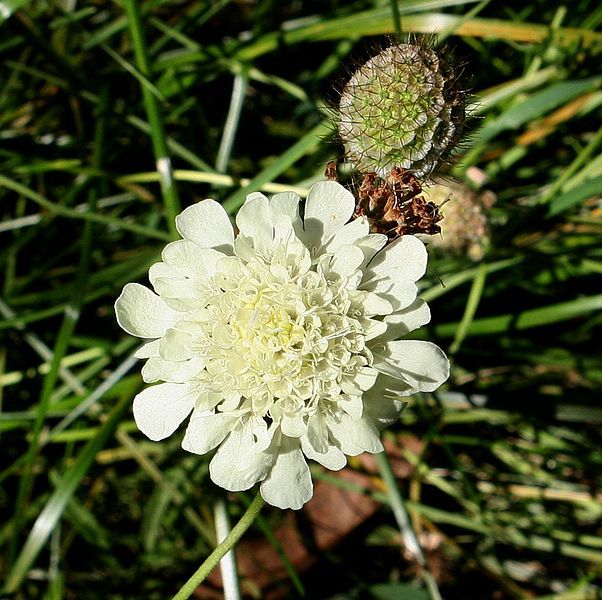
[{"x": 394, "y": 205}]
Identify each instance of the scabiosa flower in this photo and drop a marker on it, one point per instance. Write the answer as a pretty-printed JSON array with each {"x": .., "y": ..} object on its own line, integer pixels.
[
  {"x": 282, "y": 341},
  {"x": 403, "y": 108}
]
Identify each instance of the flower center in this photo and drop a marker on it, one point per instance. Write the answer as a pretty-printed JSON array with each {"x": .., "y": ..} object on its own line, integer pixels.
[{"x": 282, "y": 342}]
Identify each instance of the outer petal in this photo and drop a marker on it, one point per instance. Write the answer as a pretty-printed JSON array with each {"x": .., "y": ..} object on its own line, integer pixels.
[
  {"x": 206, "y": 430},
  {"x": 403, "y": 260},
  {"x": 346, "y": 260},
  {"x": 147, "y": 350},
  {"x": 370, "y": 245},
  {"x": 208, "y": 225},
  {"x": 254, "y": 220},
  {"x": 159, "y": 410},
  {"x": 328, "y": 207},
  {"x": 189, "y": 260},
  {"x": 422, "y": 365},
  {"x": 157, "y": 369},
  {"x": 380, "y": 407},
  {"x": 237, "y": 465},
  {"x": 399, "y": 294},
  {"x": 287, "y": 203},
  {"x": 402, "y": 322},
  {"x": 289, "y": 483},
  {"x": 348, "y": 235},
  {"x": 332, "y": 459},
  {"x": 355, "y": 435},
  {"x": 142, "y": 313}
]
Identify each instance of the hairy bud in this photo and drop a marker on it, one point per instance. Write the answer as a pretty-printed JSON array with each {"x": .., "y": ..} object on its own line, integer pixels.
[{"x": 403, "y": 108}]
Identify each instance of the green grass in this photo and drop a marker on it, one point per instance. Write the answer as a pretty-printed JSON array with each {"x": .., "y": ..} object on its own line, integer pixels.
[{"x": 224, "y": 94}]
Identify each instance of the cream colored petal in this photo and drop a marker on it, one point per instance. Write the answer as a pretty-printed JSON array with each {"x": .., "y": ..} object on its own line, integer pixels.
[
  {"x": 332, "y": 459},
  {"x": 288, "y": 484},
  {"x": 372, "y": 304},
  {"x": 147, "y": 350},
  {"x": 348, "y": 235},
  {"x": 370, "y": 245},
  {"x": 206, "y": 430},
  {"x": 355, "y": 436},
  {"x": 159, "y": 410},
  {"x": 255, "y": 222},
  {"x": 287, "y": 203},
  {"x": 157, "y": 369},
  {"x": 236, "y": 465},
  {"x": 422, "y": 365},
  {"x": 403, "y": 260},
  {"x": 380, "y": 407},
  {"x": 345, "y": 261},
  {"x": 403, "y": 322},
  {"x": 189, "y": 260},
  {"x": 328, "y": 207},
  {"x": 175, "y": 345},
  {"x": 372, "y": 328},
  {"x": 351, "y": 403},
  {"x": 399, "y": 294},
  {"x": 208, "y": 225},
  {"x": 142, "y": 313}
]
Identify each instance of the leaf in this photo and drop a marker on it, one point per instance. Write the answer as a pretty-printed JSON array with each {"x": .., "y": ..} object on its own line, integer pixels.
[
  {"x": 397, "y": 591},
  {"x": 54, "y": 508},
  {"x": 8, "y": 7},
  {"x": 588, "y": 189}
]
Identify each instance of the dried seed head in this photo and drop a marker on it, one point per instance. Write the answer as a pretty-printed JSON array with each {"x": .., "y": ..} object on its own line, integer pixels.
[
  {"x": 466, "y": 227},
  {"x": 402, "y": 108},
  {"x": 395, "y": 206}
]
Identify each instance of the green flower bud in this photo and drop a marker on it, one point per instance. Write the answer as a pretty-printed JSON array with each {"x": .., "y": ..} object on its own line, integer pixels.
[{"x": 402, "y": 108}]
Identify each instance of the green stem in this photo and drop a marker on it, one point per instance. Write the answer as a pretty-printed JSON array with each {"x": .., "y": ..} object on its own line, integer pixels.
[
  {"x": 403, "y": 522},
  {"x": 229, "y": 542},
  {"x": 163, "y": 162}
]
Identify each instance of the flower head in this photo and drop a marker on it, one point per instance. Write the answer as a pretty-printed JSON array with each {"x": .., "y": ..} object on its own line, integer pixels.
[
  {"x": 402, "y": 108},
  {"x": 282, "y": 341}
]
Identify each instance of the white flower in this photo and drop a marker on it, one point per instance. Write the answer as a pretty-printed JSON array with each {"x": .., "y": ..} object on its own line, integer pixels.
[{"x": 281, "y": 341}]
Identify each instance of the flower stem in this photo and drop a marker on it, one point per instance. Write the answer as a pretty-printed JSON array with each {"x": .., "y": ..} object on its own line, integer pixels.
[
  {"x": 228, "y": 562},
  {"x": 229, "y": 542},
  {"x": 403, "y": 522}
]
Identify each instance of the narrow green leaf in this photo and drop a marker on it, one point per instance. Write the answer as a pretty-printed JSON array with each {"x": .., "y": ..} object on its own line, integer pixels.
[
  {"x": 588, "y": 189},
  {"x": 54, "y": 508}
]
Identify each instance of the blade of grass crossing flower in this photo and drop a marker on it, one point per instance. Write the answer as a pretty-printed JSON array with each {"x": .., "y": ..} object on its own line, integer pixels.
[
  {"x": 401, "y": 516},
  {"x": 58, "y": 500},
  {"x": 474, "y": 297},
  {"x": 168, "y": 188},
  {"x": 213, "y": 559},
  {"x": 453, "y": 281}
]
